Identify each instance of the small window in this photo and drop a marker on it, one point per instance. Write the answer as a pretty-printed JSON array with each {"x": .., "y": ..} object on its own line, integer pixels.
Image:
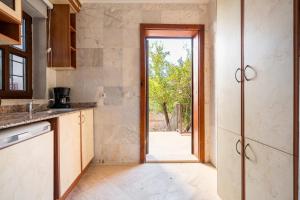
[
  {"x": 17, "y": 73},
  {"x": 15, "y": 65},
  {"x": 22, "y": 46}
]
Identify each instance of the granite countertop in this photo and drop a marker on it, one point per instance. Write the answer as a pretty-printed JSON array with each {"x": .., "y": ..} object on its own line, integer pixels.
[{"x": 8, "y": 120}]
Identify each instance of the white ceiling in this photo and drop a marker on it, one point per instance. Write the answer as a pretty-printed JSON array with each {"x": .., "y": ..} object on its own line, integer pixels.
[{"x": 146, "y": 1}]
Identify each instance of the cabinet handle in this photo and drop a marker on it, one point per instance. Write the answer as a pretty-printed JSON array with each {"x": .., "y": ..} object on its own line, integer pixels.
[
  {"x": 235, "y": 75},
  {"x": 245, "y": 74},
  {"x": 246, "y": 156},
  {"x": 236, "y": 147},
  {"x": 83, "y": 119}
]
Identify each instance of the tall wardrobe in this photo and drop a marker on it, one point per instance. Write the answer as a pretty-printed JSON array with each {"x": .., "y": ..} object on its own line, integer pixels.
[{"x": 255, "y": 83}]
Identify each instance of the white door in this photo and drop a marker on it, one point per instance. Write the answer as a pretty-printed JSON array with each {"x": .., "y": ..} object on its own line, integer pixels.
[
  {"x": 269, "y": 173},
  {"x": 269, "y": 54},
  {"x": 229, "y": 165},
  {"x": 228, "y": 64},
  {"x": 229, "y": 98}
]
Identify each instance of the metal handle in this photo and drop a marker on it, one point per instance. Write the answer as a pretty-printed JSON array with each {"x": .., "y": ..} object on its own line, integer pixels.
[
  {"x": 236, "y": 147},
  {"x": 83, "y": 119},
  {"x": 245, "y": 75},
  {"x": 235, "y": 75},
  {"x": 246, "y": 156}
]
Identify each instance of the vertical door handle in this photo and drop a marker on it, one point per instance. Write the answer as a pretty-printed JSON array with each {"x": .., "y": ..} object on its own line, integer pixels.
[
  {"x": 254, "y": 72},
  {"x": 246, "y": 156},
  {"x": 83, "y": 118},
  {"x": 236, "y": 147},
  {"x": 235, "y": 75}
]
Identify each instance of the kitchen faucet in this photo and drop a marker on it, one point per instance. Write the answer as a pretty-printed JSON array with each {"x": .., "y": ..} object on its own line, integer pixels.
[{"x": 30, "y": 105}]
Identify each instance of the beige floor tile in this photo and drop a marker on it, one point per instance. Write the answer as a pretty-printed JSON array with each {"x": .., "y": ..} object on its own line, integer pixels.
[{"x": 185, "y": 181}]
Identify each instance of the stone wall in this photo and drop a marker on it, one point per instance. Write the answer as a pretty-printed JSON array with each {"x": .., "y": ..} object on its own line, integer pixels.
[{"x": 108, "y": 70}]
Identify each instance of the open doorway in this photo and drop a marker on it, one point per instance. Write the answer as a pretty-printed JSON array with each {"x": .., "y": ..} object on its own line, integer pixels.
[
  {"x": 169, "y": 66},
  {"x": 172, "y": 93}
]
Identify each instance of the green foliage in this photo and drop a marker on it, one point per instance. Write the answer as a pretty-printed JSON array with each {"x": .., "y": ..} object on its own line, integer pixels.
[{"x": 170, "y": 83}]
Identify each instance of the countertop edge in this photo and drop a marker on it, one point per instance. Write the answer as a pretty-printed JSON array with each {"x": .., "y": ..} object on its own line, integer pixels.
[{"x": 25, "y": 120}]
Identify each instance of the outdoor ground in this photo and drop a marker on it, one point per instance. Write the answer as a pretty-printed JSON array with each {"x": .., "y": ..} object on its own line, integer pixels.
[{"x": 169, "y": 146}]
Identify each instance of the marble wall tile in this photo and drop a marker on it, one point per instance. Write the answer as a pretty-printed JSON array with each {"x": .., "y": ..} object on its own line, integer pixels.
[
  {"x": 132, "y": 18},
  {"x": 113, "y": 17},
  {"x": 130, "y": 36},
  {"x": 131, "y": 66},
  {"x": 112, "y": 58},
  {"x": 151, "y": 16},
  {"x": 89, "y": 57},
  {"x": 183, "y": 17},
  {"x": 113, "y": 95},
  {"x": 89, "y": 25},
  {"x": 112, "y": 77},
  {"x": 113, "y": 37}
]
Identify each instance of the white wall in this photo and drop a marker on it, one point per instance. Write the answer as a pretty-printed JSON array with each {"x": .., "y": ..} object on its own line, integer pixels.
[{"x": 108, "y": 70}]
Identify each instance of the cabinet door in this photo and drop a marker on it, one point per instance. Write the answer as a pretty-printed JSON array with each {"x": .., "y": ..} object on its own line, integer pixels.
[
  {"x": 87, "y": 136},
  {"x": 269, "y": 173},
  {"x": 229, "y": 165},
  {"x": 228, "y": 61},
  {"x": 229, "y": 98},
  {"x": 269, "y": 53},
  {"x": 27, "y": 169},
  {"x": 69, "y": 150}
]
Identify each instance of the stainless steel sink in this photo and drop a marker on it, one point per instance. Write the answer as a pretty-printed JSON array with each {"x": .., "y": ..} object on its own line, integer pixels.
[{"x": 58, "y": 110}]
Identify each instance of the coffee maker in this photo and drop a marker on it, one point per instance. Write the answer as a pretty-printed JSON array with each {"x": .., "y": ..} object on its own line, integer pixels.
[{"x": 61, "y": 97}]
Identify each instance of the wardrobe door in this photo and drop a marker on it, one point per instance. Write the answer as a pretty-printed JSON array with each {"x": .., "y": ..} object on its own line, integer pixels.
[
  {"x": 229, "y": 98},
  {"x": 269, "y": 75},
  {"x": 269, "y": 173},
  {"x": 228, "y": 65},
  {"x": 229, "y": 165}
]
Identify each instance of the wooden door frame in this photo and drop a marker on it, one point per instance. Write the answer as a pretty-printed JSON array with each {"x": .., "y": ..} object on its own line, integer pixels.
[
  {"x": 170, "y": 30},
  {"x": 296, "y": 96}
]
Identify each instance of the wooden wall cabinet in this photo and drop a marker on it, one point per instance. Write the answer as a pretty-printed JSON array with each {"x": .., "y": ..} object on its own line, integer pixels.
[
  {"x": 87, "y": 137},
  {"x": 10, "y": 22},
  {"x": 75, "y": 4},
  {"x": 63, "y": 38}
]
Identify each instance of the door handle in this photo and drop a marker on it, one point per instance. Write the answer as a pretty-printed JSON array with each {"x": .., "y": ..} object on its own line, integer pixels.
[
  {"x": 246, "y": 156},
  {"x": 235, "y": 75},
  {"x": 236, "y": 147},
  {"x": 254, "y": 71}
]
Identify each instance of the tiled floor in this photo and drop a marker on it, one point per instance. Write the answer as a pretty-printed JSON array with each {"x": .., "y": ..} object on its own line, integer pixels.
[
  {"x": 186, "y": 181},
  {"x": 170, "y": 146}
]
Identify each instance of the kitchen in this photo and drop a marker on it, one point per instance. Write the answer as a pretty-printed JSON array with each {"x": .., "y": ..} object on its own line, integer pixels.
[{"x": 71, "y": 79}]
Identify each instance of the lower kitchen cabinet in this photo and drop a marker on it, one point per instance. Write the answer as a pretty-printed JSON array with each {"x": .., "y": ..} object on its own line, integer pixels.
[
  {"x": 69, "y": 154},
  {"x": 229, "y": 165},
  {"x": 27, "y": 169},
  {"x": 74, "y": 149},
  {"x": 87, "y": 137},
  {"x": 268, "y": 172}
]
